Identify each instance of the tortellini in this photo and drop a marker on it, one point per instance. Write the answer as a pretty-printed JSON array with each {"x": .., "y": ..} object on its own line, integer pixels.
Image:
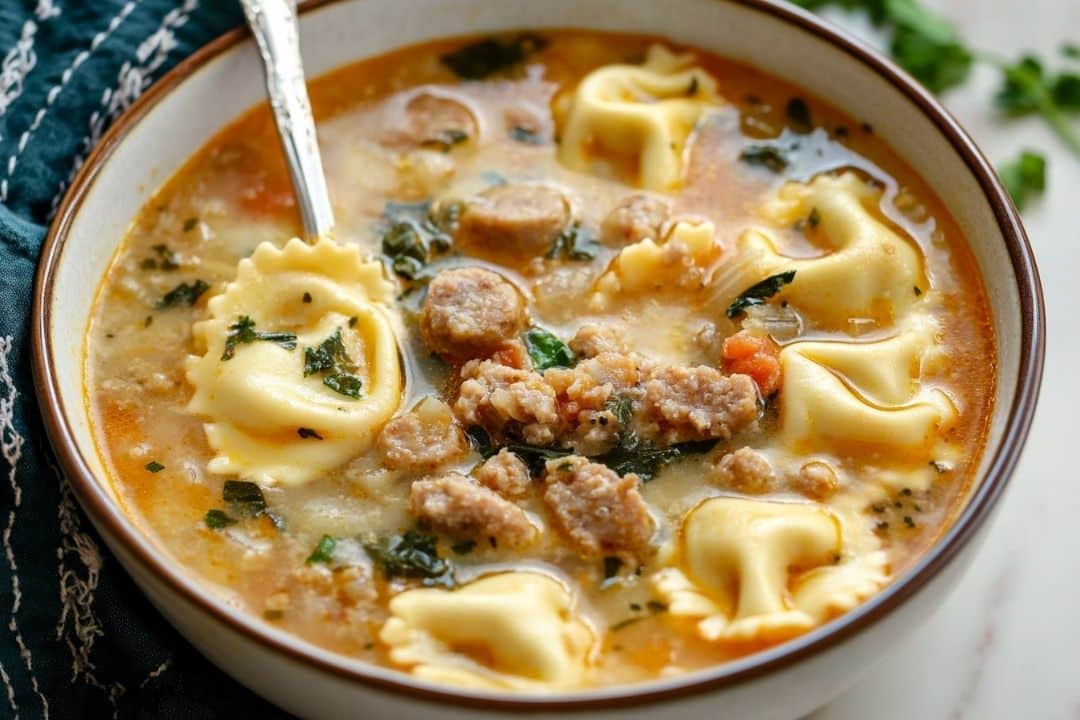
[
  {"x": 762, "y": 571},
  {"x": 682, "y": 258},
  {"x": 638, "y": 117},
  {"x": 513, "y": 630},
  {"x": 268, "y": 417},
  {"x": 870, "y": 271},
  {"x": 866, "y": 392}
]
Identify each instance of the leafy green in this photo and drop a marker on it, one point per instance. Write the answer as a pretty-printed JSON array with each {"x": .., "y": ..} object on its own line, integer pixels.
[
  {"x": 524, "y": 135},
  {"x": 217, "y": 519},
  {"x": 165, "y": 259},
  {"x": 1027, "y": 88},
  {"x": 412, "y": 555},
  {"x": 546, "y": 350},
  {"x": 331, "y": 359},
  {"x": 413, "y": 232},
  {"x": 536, "y": 458},
  {"x": 574, "y": 243},
  {"x": 244, "y": 498},
  {"x": 770, "y": 157},
  {"x": 632, "y": 455},
  {"x": 483, "y": 58},
  {"x": 323, "y": 552},
  {"x": 1025, "y": 176},
  {"x": 481, "y": 441},
  {"x": 154, "y": 466},
  {"x": 183, "y": 294},
  {"x": 759, "y": 292},
  {"x": 243, "y": 332}
]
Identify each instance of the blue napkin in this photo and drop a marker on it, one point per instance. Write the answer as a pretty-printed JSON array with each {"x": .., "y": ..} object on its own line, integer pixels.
[{"x": 77, "y": 638}]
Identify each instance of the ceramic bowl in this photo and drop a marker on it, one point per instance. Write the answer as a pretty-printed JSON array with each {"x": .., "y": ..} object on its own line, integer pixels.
[{"x": 184, "y": 109}]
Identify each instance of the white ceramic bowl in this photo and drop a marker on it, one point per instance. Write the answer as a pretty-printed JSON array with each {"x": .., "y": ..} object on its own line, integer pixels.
[{"x": 183, "y": 110}]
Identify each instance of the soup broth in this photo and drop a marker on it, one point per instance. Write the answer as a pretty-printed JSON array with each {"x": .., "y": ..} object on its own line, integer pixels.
[{"x": 625, "y": 360}]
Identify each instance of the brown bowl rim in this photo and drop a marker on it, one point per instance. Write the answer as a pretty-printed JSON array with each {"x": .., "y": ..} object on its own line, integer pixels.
[{"x": 103, "y": 509}]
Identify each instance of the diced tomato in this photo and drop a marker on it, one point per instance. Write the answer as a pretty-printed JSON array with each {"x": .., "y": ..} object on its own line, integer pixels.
[{"x": 748, "y": 354}]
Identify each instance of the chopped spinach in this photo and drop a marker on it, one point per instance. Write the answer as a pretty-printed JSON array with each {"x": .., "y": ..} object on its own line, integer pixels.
[
  {"x": 771, "y": 157},
  {"x": 798, "y": 112},
  {"x": 481, "y": 441},
  {"x": 217, "y": 519},
  {"x": 183, "y": 294},
  {"x": 338, "y": 369},
  {"x": 445, "y": 140},
  {"x": 524, "y": 135},
  {"x": 154, "y": 466},
  {"x": 165, "y": 259},
  {"x": 622, "y": 408},
  {"x": 644, "y": 460},
  {"x": 412, "y": 554},
  {"x": 243, "y": 332},
  {"x": 546, "y": 350},
  {"x": 759, "y": 292},
  {"x": 323, "y": 552},
  {"x": 245, "y": 499},
  {"x": 413, "y": 231},
  {"x": 574, "y": 243},
  {"x": 536, "y": 458},
  {"x": 484, "y": 58}
]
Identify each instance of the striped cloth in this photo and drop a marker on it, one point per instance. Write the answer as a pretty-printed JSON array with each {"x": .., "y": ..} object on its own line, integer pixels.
[{"x": 78, "y": 638}]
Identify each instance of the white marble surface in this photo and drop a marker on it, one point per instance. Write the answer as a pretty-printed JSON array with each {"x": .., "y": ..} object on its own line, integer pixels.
[{"x": 1006, "y": 644}]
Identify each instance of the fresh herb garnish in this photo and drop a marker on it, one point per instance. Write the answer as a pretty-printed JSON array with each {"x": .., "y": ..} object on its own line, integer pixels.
[
  {"x": 770, "y": 157},
  {"x": 1024, "y": 177},
  {"x": 308, "y": 434},
  {"x": 524, "y": 135},
  {"x": 481, "y": 59},
  {"x": 246, "y": 500},
  {"x": 445, "y": 140},
  {"x": 1027, "y": 88},
  {"x": 574, "y": 243},
  {"x": 217, "y": 519},
  {"x": 183, "y": 294},
  {"x": 798, "y": 112},
  {"x": 331, "y": 359},
  {"x": 154, "y": 466},
  {"x": 759, "y": 292},
  {"x": 546, "y": 350},
  {"x": 243, "y": 332},
  {"x": 412, "y": 555},
  {"x": 622, "y": 408},
  {"x": 165, "y": 260},
  {"x": 323, "y": 552},
  {"x": 416, "y": 230}
]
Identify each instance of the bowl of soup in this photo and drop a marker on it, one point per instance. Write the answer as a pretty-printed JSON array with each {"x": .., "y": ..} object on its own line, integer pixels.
[{"x": 664, "y": 358}]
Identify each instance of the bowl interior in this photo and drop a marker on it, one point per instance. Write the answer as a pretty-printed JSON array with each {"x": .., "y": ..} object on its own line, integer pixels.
[{"x": 144, "y": 153}]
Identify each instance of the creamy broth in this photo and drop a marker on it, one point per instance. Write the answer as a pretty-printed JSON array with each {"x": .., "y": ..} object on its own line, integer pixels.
[{"x": 311, "y": 561}]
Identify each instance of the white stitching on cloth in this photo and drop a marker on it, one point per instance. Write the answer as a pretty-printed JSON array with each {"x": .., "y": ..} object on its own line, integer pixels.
[
  {"x": 65, "y": 77},
  {"x": 10, "y": 692},
  {"x": 131, "y": 81},
  {"x": 155, "y": 672},
  {"x": 11, "y": 443},
  {"x": 21, "y": 59},
  {"x": 77, "y": 625}
]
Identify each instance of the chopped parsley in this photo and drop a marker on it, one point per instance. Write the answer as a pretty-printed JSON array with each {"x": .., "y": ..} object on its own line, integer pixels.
[
  {"x": 217, "y": 519},
  {"x": 1027, "y": 88},
  {"x": 308, "y": 434},
  {"x": 243, "y": 332},
  {"x": 323, "y": 552},
  {"x": 486, "y": 57},
  {"x": 574, "y": 243},
  {"x": 412, "y": 554},
  {"x": 524, "y": 135},
  {"x": 759, "y": 292},
  {"x": 546, "y": 350},
  {"x": 332, "y": 361},
  {"x": 154, "y": 466},
  {"x": 164, "y": 259},
  {"x": 183, "y": 294},
  {"x": 306, "y": 298}
]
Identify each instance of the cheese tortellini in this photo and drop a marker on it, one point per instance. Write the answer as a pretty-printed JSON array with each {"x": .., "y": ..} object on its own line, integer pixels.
[
  {"x": 638, "y": 117},
  {"x": 751, "y": 570},
  {"x": 268, "y": 416},
  {"x": 870, "y": 271},
  {"x": 682, "y": 258},
  {"x": 514, "y": 630}
]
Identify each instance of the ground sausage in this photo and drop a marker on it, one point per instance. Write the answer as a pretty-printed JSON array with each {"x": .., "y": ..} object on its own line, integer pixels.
[
  {"x": 590, "y": 340},
  {"x": 470, "y": 311},
  {"x": 588, "y": 394},
  {"x": 745, "y": 471},
  {"x": 458, "y": 506},
  {"x": 504, "y": 473},
  {"x": 517, "y": 218},
  {"x": 507, "y": 400},
  {"x": 422, "y": 439},
  {"x": 697, "y": 403},
  {"x": 635, "y": 218},
  {"x": 596, "y": 509}
]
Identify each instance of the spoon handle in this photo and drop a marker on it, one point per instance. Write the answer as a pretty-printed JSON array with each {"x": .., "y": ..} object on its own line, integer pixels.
[{"x": 274, "y": 24}]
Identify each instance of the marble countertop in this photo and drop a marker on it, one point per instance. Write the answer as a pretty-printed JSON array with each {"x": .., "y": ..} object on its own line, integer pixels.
[{"x": 1006, "y": 643}]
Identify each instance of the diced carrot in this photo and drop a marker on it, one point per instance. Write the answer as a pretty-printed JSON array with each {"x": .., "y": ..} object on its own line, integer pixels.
[{"x": 748, "y": 354}]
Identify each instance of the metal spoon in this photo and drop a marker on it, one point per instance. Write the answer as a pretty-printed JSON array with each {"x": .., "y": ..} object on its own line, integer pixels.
[{"x": 274, "y": 24}]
